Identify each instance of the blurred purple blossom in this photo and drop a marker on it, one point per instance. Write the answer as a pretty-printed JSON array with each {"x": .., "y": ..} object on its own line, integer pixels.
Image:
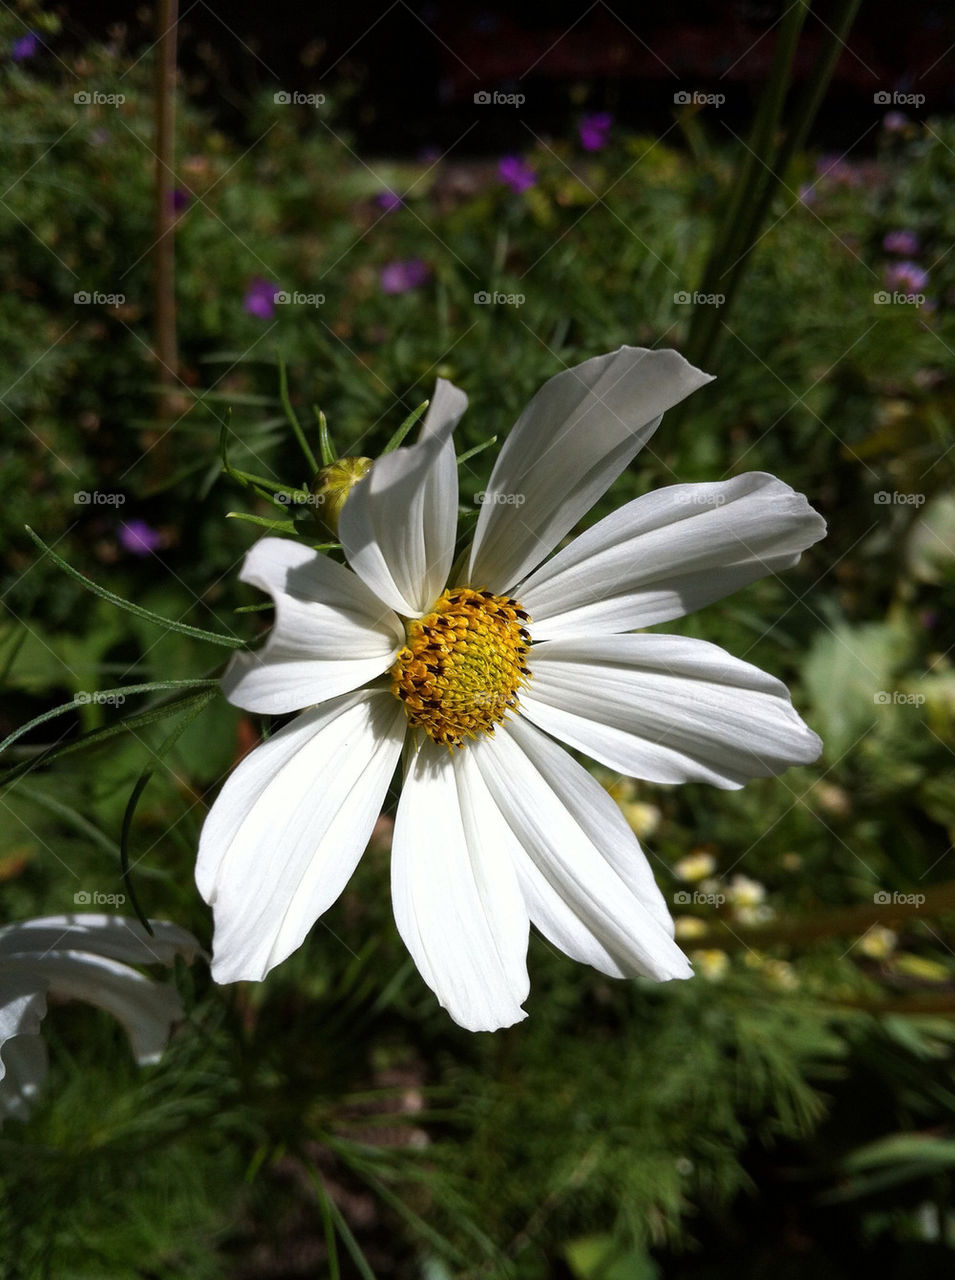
[
  {"x": 516, "y": 173},
  {"x": 138, "y": 538},
  {"x": 260, "y": 298},
  {"x": 905, "y": 242},
  {"x": 895, "y": 121},
  {"x": 906, "y": 277},
  {"x": 388, "y": 200},
  {"x": 807, "y": 193},
  {"x": 836, "y": 169},
  {"x": 24, "y": 47},
  {"x": 178, "y": 200},
  {"x": 593, "y": 130},
  {"x": 403, "y": 274}
]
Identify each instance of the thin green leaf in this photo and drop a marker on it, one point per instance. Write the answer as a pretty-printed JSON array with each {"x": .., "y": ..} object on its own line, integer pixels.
[
  {"x": 276, "y": 526},
  {"x": 96, "y": 736},
  {"x": 405, "y": 427},
  {"x": 293, "y": 420},
  {"x": 255, "y": 608},
  {"x": 84, "y": 699},
  {"x": 212, "y": 637},
  {"x": 478, "y": 448},
  {"x": 324, "y": 439},
  {"x": 341, "y": 1226},
  {"x": 71, "y": 816}
]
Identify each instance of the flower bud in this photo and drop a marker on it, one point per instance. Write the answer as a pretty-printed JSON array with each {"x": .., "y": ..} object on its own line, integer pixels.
[{"x": 332, "y": 486}]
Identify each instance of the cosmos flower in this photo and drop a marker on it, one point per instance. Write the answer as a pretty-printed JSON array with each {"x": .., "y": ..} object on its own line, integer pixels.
[
  {"x": 138, "y": 538},
  {"x": 906, "y": 277},
  {"x": 403, "y": 274},
  {"x": 84, "y": 957},
  {"x": 475, "y": 670},
  {"x": 904, "y": 242},
  {"x": 516, "y": 173},
  {"x": 24, "y": 47},
  {"x": 593, "y": 130},
  {"x": 260, "y": 298}
]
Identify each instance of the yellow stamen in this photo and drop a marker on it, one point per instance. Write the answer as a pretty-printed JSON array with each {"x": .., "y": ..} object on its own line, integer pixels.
[{"x": 464, "y": 662}]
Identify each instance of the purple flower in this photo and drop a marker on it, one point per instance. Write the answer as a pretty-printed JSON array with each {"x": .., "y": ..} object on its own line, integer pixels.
[
  {"x": 516, "y": 173},
  {"x": 906, "y": 277},
  {"x": 906, "y": 242},
  {"x": 138, "y": 538},
  {"x": 403, "y": 274},
  {"x": 835, "y": 169},
  {"x": 593, "y": 130},
  {"x": 24, "y": 47},
  {"x": 388, "y": 200},
  {"x": 260, "y": 298},
  {"x": 178, "y": 200},
  {"x": 895, "y": 122}
]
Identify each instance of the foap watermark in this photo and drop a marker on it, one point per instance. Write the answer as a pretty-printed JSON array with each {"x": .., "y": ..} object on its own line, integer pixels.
[
  {"x": 896, "y": 299},
  {"x": 283, "y": 98},
  {"x": 683, "y": 298},
  {"x": 296, "y": 299},
  {"x": 97, "y": 498},
  {"x": 691, "y": 497},
  {"x": 694, "y": 98},
  {"x": 885, "y": 99},
  {"x": 99, "y": 698},
  {"x": 895, "y": 698},
  {"x": 894, "y": 498},
  {"x": 885, "y": 899},
  {"x": 686, "y": 898},
  {"x": 96, "y": 299},
  {"x": 486, "y": 299},
  {"x": 93, "y": 898},
  {"x": 500, "y": 499},
  {"x": 300, "y": 499},
  {"x": 489, "y": 98},
  {"x": 96, "y": 98}
]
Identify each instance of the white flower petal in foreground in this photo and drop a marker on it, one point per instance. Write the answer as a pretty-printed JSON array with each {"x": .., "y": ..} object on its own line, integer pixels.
[
  {"x": 497, "y": 826},
  {"x": 81, "y": 957}
]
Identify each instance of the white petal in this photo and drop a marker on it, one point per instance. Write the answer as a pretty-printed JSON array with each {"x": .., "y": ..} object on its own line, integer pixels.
[
  {"x": 330, "y": 635},
  {"x": 146, "y": 1008},
  {"x": 668, "y": 553},
  {"x": 26, "y": 1061},
  {"x": 579, "y": 432},
  {"x": 398, "y": 524},
  {"x": 457, "y": 903},
  {"x": 118, "y": 937},
  {"x": 585, "y": 879},
  {"x": 289, "y": 826},
  {"x": 666, "y": 708}
]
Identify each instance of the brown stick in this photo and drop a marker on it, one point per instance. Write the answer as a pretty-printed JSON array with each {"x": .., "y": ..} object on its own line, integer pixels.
[{"x": 165, "y": 259}]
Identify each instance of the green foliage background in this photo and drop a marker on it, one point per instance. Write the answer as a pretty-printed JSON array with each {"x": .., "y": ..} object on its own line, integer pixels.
[{"x": 796, "y": 1108}]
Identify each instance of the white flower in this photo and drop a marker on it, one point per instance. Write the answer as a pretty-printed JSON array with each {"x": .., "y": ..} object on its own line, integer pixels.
[
  {"x": 83, "y": 957},
  {"x": 499, "y": 830}
]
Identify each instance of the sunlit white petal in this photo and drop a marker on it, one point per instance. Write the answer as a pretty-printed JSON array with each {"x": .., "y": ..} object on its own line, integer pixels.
[
  {"x": 398, "y": 524},
  {"x": 666, "y": 708},
  {"x": 330, "y": 633},
  {"x": 584, "y": 877},
  {"x": 456, "y": 899},
  {"x": 289, "y": 826},
  {"x": 668, "y": 553},
  {"x": 568, "y": 446}
]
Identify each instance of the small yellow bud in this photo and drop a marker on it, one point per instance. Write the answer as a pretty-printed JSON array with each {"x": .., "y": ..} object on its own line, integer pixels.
[
  {"x": 686, "y": 928},
  {"x": 695, "y": 866},
  {"x": 712, "y": 965},
  {"x": 332, "y": 486},
  {"x": 878, "y": 943}
]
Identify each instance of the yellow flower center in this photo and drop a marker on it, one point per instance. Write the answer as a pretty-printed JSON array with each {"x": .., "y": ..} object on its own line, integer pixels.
[{"x": 459, "y": 673}]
